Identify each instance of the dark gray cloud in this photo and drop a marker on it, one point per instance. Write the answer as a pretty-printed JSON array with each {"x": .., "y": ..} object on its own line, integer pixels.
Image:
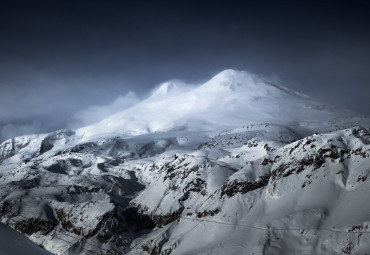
[
  {"x": 14, "y": 129},
  {"x": 61, "y": 57}
]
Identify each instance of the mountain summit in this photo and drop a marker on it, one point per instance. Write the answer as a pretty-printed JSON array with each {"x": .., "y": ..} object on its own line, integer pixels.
[{"x": 230, "y": 99}]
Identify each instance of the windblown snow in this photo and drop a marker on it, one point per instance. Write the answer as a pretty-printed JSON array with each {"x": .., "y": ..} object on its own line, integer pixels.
[
  {"x": 236, "y": 165},
  {"x": 230, "y": 99}
]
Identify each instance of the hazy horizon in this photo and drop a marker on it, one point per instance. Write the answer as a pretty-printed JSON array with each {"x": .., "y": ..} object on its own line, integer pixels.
[{"x": 66, "y": 62}]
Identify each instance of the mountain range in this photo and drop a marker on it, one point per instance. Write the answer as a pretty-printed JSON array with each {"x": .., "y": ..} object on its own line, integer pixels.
[{"x": 236, "y": 165}]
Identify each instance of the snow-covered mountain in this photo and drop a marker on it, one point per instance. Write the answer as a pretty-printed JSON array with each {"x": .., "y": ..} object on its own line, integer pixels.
[
  {"x": 236, "y": 165},
  {"x": 230, "y": 99}
]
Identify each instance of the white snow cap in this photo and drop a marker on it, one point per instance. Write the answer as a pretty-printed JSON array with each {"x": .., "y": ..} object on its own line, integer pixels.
[
  {"x": 169, "y": 88},
  {"x": 231, "y": 98}
]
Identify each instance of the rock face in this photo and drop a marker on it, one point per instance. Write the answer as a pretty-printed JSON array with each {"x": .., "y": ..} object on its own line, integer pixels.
[
  {"x": 12, "y": 146},
  {"x": 148, "y": 194},
  {"x": 254, "y": 189}
]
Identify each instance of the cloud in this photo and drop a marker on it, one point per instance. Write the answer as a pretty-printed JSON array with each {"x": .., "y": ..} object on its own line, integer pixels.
[
  {"x": 12, "y": 130},
  {"x": 94, "y": 114}
]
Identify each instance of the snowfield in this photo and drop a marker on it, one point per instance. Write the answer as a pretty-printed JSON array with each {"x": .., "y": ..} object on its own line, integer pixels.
[{"x": 236, "y": 165}]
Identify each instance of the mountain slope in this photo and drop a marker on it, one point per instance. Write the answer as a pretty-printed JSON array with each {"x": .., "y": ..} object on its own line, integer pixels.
[
  {"x": 229, "y": 167},
  {"x": 230, "y": 99},
  {"x": 306, "y": 197},
  {"x": 165, "y": 193}
]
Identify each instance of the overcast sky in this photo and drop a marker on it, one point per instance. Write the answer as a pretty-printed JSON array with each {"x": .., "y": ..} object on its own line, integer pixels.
[{"x": 62, "y": 62}]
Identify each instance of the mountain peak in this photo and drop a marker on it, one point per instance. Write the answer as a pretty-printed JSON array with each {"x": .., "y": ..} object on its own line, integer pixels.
[
  {"x": 232, "y": 80},
  {"x": 168, "y": 88},
  {"x": 230, "y": 99},
  {"x": 227, "y": 73}
]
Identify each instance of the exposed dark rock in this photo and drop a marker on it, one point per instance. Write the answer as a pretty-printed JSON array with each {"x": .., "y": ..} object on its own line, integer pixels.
[
  {"x": 295, "y": 147},
  {"x": 109, "y": 224},
  {"x": 280, "y": 171},
  {"x": 151, "y": 149},
  {"x": 10, "y": 147},
  {"x": 48, "y": 142},
  {"x": 318, "y": 161},
  {"x": 361, "y": 178},
  {"x": 268, "y": 148},
  {"x": 156, "y": 248},
  {"x": 266, "y": 161},
  {"x": 33, "y": 225},
  {"x": 252, "y": 143},
  {"x": 230, "y": 189},
  {"x": 45, "y": 146},
  {"x": 83, "y": 147},
  {"x": 59, "y": 167},
  {"x": 198, "y": 185},
  {"x": 66, "y": 224},
  {"x": 348, "y": 248},
  {"x": 137, "y": 220},
  {"x": 29, "y": 183},
  {"x": 207, "y": 213},
  {"x": 8, "y": 208},
  {"x": 328, "y": 153},
  {"x": 162, "y": 220},
  {"x": 358, "y": 227},
  {"x": 359, "y": 152}
]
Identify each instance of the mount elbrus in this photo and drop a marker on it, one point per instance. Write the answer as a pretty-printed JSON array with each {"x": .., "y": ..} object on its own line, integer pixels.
[{"x": 236, "y": 165}]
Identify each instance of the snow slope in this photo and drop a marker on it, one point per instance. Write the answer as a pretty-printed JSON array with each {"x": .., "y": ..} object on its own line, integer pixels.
[
  {"x": 230, "y": 99},
  {"x": 307, "y": 197},
  {"x": 228, "y": 167}
]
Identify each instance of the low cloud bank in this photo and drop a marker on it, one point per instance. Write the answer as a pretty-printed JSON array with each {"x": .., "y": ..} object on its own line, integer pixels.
[{"x": 94, "y": 114}]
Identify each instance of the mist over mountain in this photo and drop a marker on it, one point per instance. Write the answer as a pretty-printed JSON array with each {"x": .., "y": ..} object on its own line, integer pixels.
[
  {"x": 233, "y": 165},
  {"x": 67, "y": 64},
  {"x": 230, "y": 99},
  {"x": 184, "y": 127}
]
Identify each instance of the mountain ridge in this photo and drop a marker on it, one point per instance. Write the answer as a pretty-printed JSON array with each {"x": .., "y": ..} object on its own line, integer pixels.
[{"x": 269, "y": 180}]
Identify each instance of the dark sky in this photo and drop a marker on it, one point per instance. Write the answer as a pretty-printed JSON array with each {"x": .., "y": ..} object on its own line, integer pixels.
[{"x": 62, "y": 57}]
